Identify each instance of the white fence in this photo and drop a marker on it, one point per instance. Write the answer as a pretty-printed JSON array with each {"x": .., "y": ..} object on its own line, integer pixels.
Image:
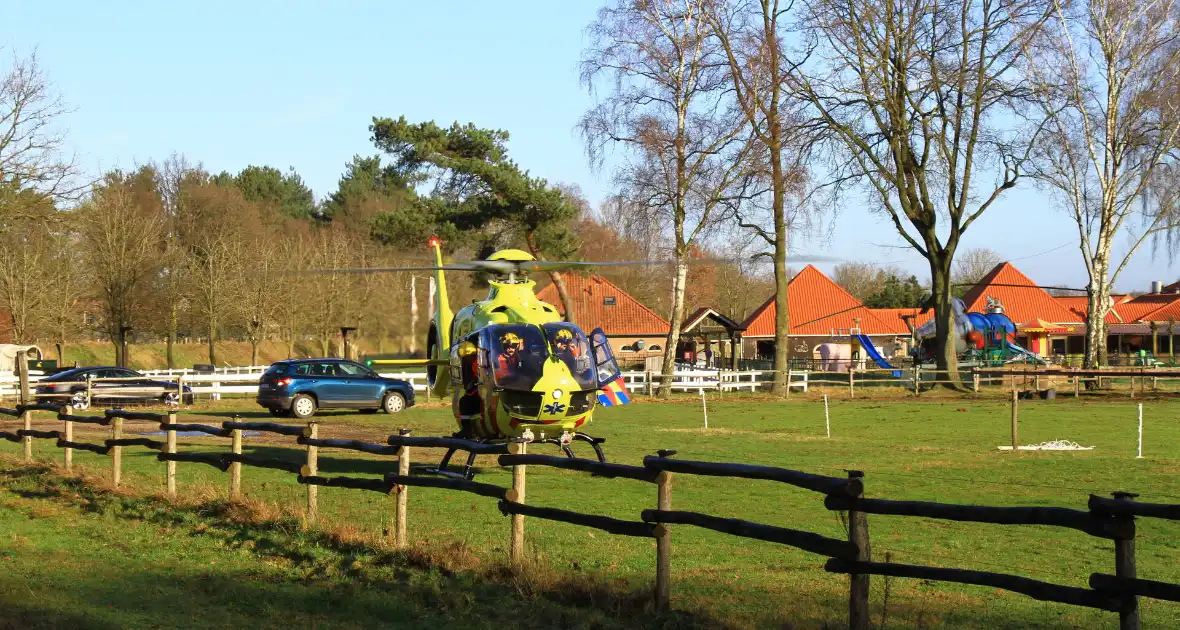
[{"x": 244, "y": 380}]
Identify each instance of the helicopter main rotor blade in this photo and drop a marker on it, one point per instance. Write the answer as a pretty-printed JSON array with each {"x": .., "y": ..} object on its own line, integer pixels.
[{"x": 505, "y": 267}]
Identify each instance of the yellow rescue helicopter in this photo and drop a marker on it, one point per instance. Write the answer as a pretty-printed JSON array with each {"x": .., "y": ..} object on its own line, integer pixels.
[{"x": 510, "y": 363}]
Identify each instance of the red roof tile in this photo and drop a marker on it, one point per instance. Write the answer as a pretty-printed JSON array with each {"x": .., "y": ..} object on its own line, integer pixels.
[
  {"x": 1171, "y": 312},
  {"x": 891, "y": 315},
  {"x": 1079, "y": 304},
  {"x": 817, "y": 305},
  {"x": 1022, "y": 299},
  {"x": 1147, "y": 308},
  {"x": 627, "y": 316}
]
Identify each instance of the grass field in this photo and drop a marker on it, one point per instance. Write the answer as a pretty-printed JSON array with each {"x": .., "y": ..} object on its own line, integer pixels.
[{"x": 77, "y": 553}]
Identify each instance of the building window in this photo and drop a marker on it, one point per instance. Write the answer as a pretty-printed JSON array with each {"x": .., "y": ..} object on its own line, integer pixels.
[{"x": 608, "y": 300}]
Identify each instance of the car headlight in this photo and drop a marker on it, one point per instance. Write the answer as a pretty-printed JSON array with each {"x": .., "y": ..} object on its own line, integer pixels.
[{"x": 557, "y": 394}]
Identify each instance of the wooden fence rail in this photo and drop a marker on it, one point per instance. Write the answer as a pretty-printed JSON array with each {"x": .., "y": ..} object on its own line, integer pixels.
[{"x": 1109, "y": 518}]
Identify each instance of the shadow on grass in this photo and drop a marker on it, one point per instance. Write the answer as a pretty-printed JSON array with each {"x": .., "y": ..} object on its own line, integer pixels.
[{"x": 340, "y": 578}]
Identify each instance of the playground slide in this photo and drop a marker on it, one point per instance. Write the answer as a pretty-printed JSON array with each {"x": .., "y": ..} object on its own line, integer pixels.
[
  {"x": 871, "y": 350},
  {"x": 1021, "y": 352}
]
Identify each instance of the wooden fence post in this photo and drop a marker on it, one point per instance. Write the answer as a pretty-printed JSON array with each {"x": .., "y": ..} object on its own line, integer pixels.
[
  {"x": 663, "y": 543},
  {"x": 858, "y": 589},
  {"x": 851, "y": 384},
  {"x": 235, "y": 468},
  {"x": 22, "y": 370},
  {"x": 27, "y": 441},
  {"x": 975, "y": 381},
  {"x": 516, "y": 548},
  {"x": 647, "y": 387},
  {"x": 68, "y": 454},
  {"x": 917, "y": 379},
  {"x": 116, "y": 452},
  {"x": 1124, "y": 567},
  {"x": 1077, "y": 386},
  {"x": 403, "y": 468},
  {"x": 310, "y": 470},
  {"x": 1015, "y": 420},
  {"x": 170, "y": 467},
  {"x": 180, "y": 390}
]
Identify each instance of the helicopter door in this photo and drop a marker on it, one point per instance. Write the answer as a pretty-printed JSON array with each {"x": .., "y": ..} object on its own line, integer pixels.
[{"x": 612, "y": 390}]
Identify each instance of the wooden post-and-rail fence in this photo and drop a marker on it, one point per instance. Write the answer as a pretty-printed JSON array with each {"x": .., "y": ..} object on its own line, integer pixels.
[{"x": 1108, "y": 518}]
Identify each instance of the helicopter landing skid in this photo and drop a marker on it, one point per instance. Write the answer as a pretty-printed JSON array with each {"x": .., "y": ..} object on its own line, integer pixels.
[
  {"x": 467, "y": 471},
  {"x": 595, "y": 443}
]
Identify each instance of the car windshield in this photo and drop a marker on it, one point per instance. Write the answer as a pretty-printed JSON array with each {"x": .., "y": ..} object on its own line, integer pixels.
[
  {"x": 517, "y": 353},
  {"x": 569, "y": 344}
]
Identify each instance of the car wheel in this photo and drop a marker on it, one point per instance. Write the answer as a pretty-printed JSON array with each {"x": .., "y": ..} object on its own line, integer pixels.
[
  {"x": 79, "y": 401},
  {"x": 171, "y": 399},
  {"x": 303, "y": 406},
  {"x": 393, "y": 403}
]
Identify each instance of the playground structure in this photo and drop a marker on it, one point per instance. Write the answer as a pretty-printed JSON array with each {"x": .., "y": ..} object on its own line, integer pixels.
[{"x": 981, "y": 339}]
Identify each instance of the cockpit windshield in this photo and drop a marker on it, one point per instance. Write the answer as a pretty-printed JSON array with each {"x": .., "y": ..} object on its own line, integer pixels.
[
  {"x": 517, "y": 354},
  {"x": 569, "y": 345}
]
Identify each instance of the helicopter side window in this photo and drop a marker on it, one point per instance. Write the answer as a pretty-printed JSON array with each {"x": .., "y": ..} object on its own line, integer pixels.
[
  {"x": 606, "y": 368},
  {"x": 516, "y": 354},
  {"x": 570, "y": 345}
]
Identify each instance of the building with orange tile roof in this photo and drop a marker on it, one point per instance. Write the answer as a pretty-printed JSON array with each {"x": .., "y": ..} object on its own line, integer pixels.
[{"x": 820, "y": 311}]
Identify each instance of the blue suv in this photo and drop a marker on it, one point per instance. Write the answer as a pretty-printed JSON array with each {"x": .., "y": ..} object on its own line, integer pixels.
[{"x": 300, "y": 387}]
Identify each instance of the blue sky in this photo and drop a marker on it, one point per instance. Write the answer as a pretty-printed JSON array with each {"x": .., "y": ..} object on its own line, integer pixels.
[{"x": 296, "y": 84}]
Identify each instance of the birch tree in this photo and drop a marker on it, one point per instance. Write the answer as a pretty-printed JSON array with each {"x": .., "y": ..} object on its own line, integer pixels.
[
  {"x": 916, "y": 99},
  {"x": 1108, "y": 79},
  {"x": 669, "y": 109}
]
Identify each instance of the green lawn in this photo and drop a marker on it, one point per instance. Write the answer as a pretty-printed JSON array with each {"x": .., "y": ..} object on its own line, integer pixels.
[{"x": 78, "y": 554}]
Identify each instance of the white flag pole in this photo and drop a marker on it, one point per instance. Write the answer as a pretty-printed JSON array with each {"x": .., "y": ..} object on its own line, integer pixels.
[
  {"x": 704, "y": 409},
  {"x": 827, "y": 422},
  {"x": 1140, "y": 456}
]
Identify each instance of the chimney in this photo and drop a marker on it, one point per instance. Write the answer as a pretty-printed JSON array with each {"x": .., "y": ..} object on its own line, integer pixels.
[{"x": 1157, "y": 286}]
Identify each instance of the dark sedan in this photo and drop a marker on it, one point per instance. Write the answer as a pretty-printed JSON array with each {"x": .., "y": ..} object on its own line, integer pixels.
[
  {"x": 300, "y": 387},
  {"x": 71, "y": 386}
]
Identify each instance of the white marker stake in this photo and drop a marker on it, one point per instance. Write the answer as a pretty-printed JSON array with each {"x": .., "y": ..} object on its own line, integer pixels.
[
  {"x": 1140, "y": 456},
  {"x": 704, "y": 409},
  {"x": 827, "y": 422}
]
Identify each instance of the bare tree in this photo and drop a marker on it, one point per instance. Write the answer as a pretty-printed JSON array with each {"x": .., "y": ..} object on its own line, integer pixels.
[
  {"x": 24, "y": 267},
  {"x": 215, "y": 228},
  {"x": 751, "y": 36},
  {"x": 1109, "y": 78},
  {"x": 66, "y": 286},
  {"x": 33, "y": 165},
  {"x": 864, "y": 279},
  {"x": 120, "y": 231},
  {"x": 916, "y": 98},
  {"x": 262, "y": 295},
  {"x": 973, "y": 264},
  {"x": 176, "y": 174},
  {"x": 670, "y": 107}
]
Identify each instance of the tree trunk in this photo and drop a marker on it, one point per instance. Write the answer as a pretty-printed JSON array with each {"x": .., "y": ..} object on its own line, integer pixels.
[
  {"x": 555, "y": 276},
  {"x": 325, "y": 342},
  {"x": 172, "y": 325},
  {"x": 61, "y": 356},
  {"x": 946, "y": 356},
  {"x": 562, "y": 292},
  {"x": 117, "y": 340},
  {"x": 254, "y": 351},
  {"x": 675, "y": 320},
  {"x": 213, "y": 342},
  {"x": 782, "y": 319}
]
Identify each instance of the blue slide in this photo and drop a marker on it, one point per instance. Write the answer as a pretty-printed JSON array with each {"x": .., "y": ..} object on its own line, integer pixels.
[
  {"x": 871, "y": 350},
  {"x": 1021, "y": 352}
]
